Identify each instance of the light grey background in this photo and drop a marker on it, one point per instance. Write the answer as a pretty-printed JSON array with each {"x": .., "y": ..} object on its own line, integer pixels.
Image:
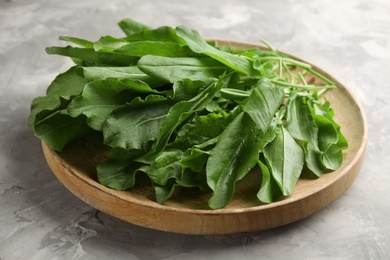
[{"x": 40, "y": 219}]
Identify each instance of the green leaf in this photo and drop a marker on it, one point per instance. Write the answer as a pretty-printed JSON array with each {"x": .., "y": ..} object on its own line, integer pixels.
[
  {"x": 165, "y": 166},
  {"x": 285, "y": 159},
  {"x": 149, "y": 100},
  {"x": 161, "y": 41},
  {"x": 269, "y": 190},
  {"x": 164, "y": 192},
  {"x": 301, "y": 125},
  {"x": 195, "y": 160},
  {"x": 198, "y": 45},
  {"x": 186, "y": 89},
  {"x": 161, "y": 34},
  {"x": 170, "y": 70},
  {"x": 263, "y": 103},
  {"x": 202, "y": 128},
  {"x": 132, "y": 127},
  {"x": 192, "y": 179},
  {"x": 209, "y": 143},
  {"x": 128, "y": 72},
  {"x": 234, "y": 155},
  {"x": 63, "y": 88},
  {"x": 184, "y": 109},
  {"x": 119, "y": 170},
  {"x": 99, "y": 73},
  {"x": 78, "y": 41},
  {"x": 90, "y": 57},
  {"x": 142, "y": 48},
  {"x": 101, "y": 97},
  {"x": 130, "y": 26},
  {"x": 59, "y": 129},
  {"x": 330, "y": 139},
  {"x": 109, "y": 43},
  {"x": 164, "y": 172},
  {"x": 236, "y": 95}
]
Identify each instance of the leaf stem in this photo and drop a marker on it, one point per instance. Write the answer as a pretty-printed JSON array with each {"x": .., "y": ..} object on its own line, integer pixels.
[
  {"x": 280, "y": 68},
  {"x": 287, "y": 60},
  {"x": 307, "y": 87},
  {"x": 320, "y": 76},
  {"x": 268, "y": 45},
  {"x": 292, "y": 78},
  {"x": 302, "y": 78},
  {"x": 235, "y": 92}
]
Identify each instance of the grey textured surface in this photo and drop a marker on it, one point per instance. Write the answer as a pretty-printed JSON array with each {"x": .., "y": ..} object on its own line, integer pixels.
[{"x": 41, "y": 219}]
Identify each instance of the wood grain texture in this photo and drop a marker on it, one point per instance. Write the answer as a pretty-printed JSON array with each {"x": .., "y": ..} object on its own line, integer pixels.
[{"x": 186, "y": 211}]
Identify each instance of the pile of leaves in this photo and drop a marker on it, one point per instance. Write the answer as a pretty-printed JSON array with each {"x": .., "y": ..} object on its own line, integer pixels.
[{"x": 189, "y": 113}]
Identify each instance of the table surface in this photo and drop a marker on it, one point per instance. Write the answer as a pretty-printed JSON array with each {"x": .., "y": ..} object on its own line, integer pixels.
[{"x": 41, "y": 219}]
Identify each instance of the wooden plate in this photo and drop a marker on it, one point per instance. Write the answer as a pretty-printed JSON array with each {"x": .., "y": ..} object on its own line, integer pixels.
[{"x": 187, "y": 212}]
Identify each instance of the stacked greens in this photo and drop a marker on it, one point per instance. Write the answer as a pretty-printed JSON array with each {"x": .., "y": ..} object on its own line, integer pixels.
[{"x": 189, "y": 113}]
